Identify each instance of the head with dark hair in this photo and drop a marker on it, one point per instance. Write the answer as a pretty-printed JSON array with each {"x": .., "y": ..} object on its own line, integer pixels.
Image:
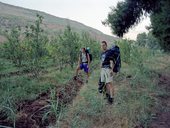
[
  {"x": 104, "y": 45},
  {"x": 104, "y": 42},
  {"x": 83, "y": 50}
]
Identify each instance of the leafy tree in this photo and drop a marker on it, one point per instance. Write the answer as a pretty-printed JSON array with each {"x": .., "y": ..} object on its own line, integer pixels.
[
  {"x": 87, "y": 41},
  {"x": 52, "y": 47},
  {"x": 14, "y": 48},
  {"x": 67, "y": 47},
  {"x": 129, "y": 12},
  {"x": 36, "y": 44},
  {"x": 160, "y": 20}
]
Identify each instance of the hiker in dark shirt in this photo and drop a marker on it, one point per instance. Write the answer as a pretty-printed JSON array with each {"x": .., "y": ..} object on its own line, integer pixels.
[{"x": 106, "y": 76}]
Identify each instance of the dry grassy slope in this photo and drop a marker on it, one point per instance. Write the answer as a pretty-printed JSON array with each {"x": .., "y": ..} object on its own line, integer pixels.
[{"x": 12, "y": 15}]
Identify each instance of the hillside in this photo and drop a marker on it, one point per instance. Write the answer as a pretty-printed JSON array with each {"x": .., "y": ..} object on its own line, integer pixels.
[
  {"x": 12, "y": 15},
  {"x": 55, "y": 99},
  {"x": 39, "y": 87}
]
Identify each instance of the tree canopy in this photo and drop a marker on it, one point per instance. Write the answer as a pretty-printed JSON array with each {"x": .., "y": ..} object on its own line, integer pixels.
[{"x": 129, "y": 12}]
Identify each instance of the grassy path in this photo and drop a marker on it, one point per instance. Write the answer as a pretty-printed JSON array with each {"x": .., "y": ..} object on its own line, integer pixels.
[{"x": 141, "y": 100}]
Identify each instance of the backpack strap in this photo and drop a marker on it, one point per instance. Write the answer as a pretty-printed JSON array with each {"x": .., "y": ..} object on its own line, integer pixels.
[
  {"x": 87, "y": 56},
  {"x": 80, "y": 55},
  {"x": 117, "y": 59}
]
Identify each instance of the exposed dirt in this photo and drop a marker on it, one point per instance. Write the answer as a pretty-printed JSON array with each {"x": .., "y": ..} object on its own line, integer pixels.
[
  {"x": 162, "y": 118},
  {"x": 30, "y": 112}
]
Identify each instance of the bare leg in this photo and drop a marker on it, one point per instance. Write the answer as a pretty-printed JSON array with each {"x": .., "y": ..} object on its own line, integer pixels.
[
  {"x": 110, "y": 89},
  {"x": 87, "y": 74},
  {"x": 77, "y": 70}
]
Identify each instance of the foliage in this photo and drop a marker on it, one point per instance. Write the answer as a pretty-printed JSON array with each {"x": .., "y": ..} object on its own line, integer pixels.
[
  {"x": 53, "y": 108},
  {"x": 134, "y": 101},
  {"x": 129, "y": 12},
  {"x": 87, "y": 41},
  {"x": 141, "y": 39},
  {"x": 65, "y": 48},
  {"x": 160, "y": 24},
  {"x": 30, "y": 49},
  {"x": 13, "y": 48},
  {"x": 38, "y": 53},
  {"x": 8, "y": 108},
  {"x": 68, "y": 45},
  {"x": 35, "y": 49},
  {"x": 125, "y": 49},
  {"x": 36, "y": 44},
  {"x": 147, "y": 40}
]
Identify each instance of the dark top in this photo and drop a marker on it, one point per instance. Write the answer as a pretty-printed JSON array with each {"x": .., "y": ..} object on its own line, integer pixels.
[{"x": 105, "y": 59}]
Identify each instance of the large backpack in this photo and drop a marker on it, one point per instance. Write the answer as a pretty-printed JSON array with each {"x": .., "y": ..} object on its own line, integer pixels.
[
  {"x": 90, "y": 55},
  {"x": 114, "y": 54}
]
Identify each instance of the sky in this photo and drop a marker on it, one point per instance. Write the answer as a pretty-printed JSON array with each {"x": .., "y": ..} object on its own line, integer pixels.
[{"x": 88, "y": 12}]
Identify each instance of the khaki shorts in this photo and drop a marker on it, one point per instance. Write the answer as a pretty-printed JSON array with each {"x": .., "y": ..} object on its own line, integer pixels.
[{"x": 106, "y": 75}]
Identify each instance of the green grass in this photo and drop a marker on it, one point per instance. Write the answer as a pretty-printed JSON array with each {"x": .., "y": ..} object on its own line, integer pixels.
[
  {"x": 16, "y": 88},
  {"x": 88, "y": 107},
  {"x": 60, "y": 77},
  {"x": 20, "y": 88},
  {"x": 6, "y": 66},
  {"x": 135, "y": 97}
]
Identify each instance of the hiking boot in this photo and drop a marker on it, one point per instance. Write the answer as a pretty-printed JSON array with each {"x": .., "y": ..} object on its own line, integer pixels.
[
  {"x": 107, "y": 95},
  {"x": 110, "y": 100},
  {"x": 86, "y": 81},
  {"x": 75, "y": 77},
  {"x": 100, "y": 90}
]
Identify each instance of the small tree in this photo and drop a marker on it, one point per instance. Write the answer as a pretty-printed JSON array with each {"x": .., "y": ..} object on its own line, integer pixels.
[
  {"x": 68, "y": 47},
  {"x": 94, "y": 45},
  {"x": 14, "y": 48},
  {"x": 36, "y": 44}
]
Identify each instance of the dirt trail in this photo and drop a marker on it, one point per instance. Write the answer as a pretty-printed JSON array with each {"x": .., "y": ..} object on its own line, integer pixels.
[
  {"x": 30, "y": 112},
  {"x": 162, "y": 119}
]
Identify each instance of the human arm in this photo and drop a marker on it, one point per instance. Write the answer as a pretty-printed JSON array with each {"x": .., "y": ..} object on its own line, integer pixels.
[{"x": 112, "y": 66}]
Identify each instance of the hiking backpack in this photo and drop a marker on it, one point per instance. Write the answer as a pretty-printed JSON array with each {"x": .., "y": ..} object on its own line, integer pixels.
[
  {"x": 90, "y": 55},
  {"x": 87, "y": 52},
  {"x": 114, "y": 54}
]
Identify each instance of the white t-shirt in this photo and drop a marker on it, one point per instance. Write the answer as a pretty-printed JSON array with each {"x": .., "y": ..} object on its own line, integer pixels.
[{"x": 83, "y": 57}]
